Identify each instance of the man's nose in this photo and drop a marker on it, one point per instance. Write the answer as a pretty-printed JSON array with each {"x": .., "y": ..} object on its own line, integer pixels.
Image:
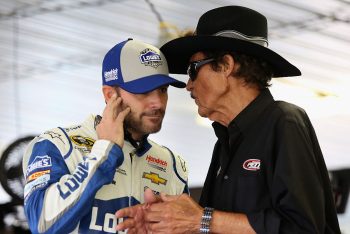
[
  {"x": 189, "y": 85},
  {"x": 156, "y": 98}
]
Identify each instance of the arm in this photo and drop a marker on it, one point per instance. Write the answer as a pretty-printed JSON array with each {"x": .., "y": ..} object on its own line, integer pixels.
[
  {"x": 55, "y": 199},
  {"x": 179, "y": 214}
]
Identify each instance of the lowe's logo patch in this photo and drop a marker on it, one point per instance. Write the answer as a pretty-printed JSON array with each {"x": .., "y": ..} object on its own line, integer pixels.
[
  {"x": 149, "y": 57},
  {"x": 38, "y": 163},
  {"x": 252, "y": 164}
]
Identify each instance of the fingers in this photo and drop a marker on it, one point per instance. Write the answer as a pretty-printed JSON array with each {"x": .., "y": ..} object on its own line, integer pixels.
[
  {"x": 121, "y": 116},
  {"x": 133, "y": 219},
  {"x": 126, "y": 224},
  {"x": 111, "y": 127},
  {"x": 129, "y": 222},
  {"x": 127, "y": 212},
  {"x": 112, "y": 108}
]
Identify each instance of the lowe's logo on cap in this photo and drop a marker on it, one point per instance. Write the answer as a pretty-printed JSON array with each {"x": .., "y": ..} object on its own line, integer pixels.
[
  {"x": 150, "y": 58},
  {"x": 136, "y": 67}
]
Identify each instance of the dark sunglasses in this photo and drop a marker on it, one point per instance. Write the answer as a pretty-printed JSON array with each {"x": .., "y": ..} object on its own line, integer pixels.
[{"x": 193, "y": 67}]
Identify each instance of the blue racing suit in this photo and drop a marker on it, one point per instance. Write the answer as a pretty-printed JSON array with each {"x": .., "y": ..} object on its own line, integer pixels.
[{"x": 75, "y": 183}]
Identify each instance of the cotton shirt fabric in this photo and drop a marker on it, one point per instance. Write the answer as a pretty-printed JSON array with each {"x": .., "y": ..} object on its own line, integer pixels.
[{"x": 268, "y": 165}]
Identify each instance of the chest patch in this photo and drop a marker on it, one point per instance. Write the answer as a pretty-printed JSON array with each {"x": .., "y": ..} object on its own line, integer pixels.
[
  {"x": 83, "y": 141},
  {"x": 154, "y": 178},
  {"x": 252, "y": 164}
]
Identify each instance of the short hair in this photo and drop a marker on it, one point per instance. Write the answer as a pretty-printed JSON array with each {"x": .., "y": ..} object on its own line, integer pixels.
[{"x": 251, "y": 69}]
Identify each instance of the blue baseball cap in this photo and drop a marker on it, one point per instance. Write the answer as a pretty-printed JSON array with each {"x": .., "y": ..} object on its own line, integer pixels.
[{"x": 136, "y": 67}]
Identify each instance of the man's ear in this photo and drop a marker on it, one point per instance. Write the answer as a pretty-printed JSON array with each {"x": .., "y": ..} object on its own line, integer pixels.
[
  {"x": 108, "y": 92},
  {"x": 229, "y": 63}
]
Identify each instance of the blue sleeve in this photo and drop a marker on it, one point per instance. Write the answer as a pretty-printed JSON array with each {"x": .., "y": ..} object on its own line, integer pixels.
[{"x": 55, "y": 199}]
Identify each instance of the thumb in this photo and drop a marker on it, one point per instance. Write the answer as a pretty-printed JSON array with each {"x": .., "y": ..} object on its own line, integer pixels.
[{"x": 150, "y": 197}]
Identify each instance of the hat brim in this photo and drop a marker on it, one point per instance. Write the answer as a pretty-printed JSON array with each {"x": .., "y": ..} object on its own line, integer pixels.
[
  {"x": 179, "y": 51},
  {"x": 149, "y": 83}
]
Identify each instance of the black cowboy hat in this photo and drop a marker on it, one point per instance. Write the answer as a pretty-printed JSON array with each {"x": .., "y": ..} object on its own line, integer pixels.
[{"x": 232, "y": 28}]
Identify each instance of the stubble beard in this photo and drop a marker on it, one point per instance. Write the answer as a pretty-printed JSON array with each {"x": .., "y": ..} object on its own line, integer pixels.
[{"x": 136, "y": 124}]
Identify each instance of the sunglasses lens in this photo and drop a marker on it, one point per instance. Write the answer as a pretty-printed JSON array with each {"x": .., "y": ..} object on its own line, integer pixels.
[
  {"x": 193, "y": 67},
  {"x": 191, "y": 71}
]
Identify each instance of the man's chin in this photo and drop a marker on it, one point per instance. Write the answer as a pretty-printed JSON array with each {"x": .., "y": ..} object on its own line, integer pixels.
[
  {"x": 203, "y": 112},
  {"x": 154, "y": 130},
  {"x": 153, "y": 127}
]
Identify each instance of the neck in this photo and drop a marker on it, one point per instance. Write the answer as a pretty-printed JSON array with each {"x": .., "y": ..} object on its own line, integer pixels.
[{"x": 132, "y": 136}]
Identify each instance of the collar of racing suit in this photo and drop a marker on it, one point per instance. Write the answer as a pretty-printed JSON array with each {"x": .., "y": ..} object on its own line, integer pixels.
[{"x": 140, "y": 146}]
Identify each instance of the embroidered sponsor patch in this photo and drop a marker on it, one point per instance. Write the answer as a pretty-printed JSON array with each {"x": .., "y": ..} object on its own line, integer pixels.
[
  {"x": 39, "y": 162},
  {"x": 151, "y": 58},
  {"x": 36, "y": 184},
  {"x": 252, "y": 164},
  {"x": 37, "y": 174},
  {"x": 83, "y": 141},
  {"x": 72, "y": 128},
  {"x": 121, "y": 171},
  {"x": 183, "y": 164},
  {"x": 111, "y": 75},
  {"x": 154, "y": 178},
  {"x": 54, "y": 135},
  {"x": 157, "y": 163}
]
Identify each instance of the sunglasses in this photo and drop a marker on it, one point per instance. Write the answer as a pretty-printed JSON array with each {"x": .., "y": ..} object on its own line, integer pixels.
[{"x": 193, "y": 67}]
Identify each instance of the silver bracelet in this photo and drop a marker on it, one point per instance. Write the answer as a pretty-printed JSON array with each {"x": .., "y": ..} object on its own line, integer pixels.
[{"x": 206, "y": 218}]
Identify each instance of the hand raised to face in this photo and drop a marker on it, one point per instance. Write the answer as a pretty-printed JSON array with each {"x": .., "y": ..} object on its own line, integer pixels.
[{"x": 111, "y": 126}]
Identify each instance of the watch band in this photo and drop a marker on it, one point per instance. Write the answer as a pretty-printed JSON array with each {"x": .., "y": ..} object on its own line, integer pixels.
[{"x": 205, "y": 221}]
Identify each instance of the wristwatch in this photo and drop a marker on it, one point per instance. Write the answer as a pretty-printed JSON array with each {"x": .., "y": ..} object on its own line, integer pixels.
[{"x": 205, "y": 221}]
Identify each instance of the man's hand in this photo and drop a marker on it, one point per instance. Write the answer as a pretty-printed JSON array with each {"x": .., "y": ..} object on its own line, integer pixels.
[
  {"x": 135, "y": 222},
  {"x": 175, "y": 214},
  {"x": 112, "y": 123},
  {"x": 162, "y": 214}
]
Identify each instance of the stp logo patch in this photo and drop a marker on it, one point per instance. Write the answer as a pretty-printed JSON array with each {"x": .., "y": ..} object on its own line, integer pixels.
[{"x": 252, "y": 164}]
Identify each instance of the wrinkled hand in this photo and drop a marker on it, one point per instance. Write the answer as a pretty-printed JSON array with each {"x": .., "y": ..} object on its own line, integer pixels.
[
  {"x": 175, "y": 214},
  {"x": 112, "y": 123},
  {"x": 135, "y": 222}
]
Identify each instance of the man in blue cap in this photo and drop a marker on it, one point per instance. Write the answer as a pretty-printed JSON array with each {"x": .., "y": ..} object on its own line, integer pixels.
[{"x": 77, "y": 177}]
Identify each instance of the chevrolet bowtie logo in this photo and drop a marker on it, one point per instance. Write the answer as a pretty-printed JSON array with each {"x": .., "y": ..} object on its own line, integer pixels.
[{"x": 154, "y": 177}]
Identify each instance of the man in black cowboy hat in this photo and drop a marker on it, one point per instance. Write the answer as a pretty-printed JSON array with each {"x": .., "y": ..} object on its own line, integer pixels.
[{"x": 267, "y": 173}]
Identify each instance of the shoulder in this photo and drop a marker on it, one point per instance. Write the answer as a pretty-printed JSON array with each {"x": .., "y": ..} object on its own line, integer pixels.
[
  {"x": 290, "y": 112},
  {"x": 179, "y": 164},
  {"x": 56, "y": 139}
]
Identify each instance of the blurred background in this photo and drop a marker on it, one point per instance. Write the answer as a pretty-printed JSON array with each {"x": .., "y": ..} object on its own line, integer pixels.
[{"x": 50, "y": 75}]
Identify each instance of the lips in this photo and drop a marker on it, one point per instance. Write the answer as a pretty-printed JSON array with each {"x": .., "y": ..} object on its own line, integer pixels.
[{"x": 154, "y": 114}]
